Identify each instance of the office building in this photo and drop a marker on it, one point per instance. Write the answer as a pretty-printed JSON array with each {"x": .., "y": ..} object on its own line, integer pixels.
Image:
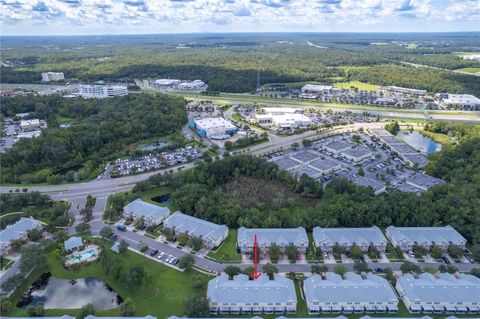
[
  {"x": 211, "y": 234},
  {"x": 244, "y": 296},
  {"x": 441, "y": 293},
  {"x": 30, "y": 125},
  {"x": 363, "y": 237},
  {"x": 215, "y": 128},
  {"x": 102, "y": 91},
  {"x": 398, "y": 89},
  {"x": 428, "y": 237},
  {"x": 316, "y": 89},
  {"x": 52, "y": 76},
  {"x": 357, "y": 154},
  {"x": 463, "y": 101},
  {"x": 351, "y": 294}
]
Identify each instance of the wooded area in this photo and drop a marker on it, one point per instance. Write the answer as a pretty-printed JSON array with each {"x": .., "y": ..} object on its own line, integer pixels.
[{"x": 100, "y": 130}]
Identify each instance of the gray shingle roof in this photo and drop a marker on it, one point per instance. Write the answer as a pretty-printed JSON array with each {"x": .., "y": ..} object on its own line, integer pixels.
[
  {"x": 18, "y": 230},
  {"x": 146, "y": 210},
  {"x": 196, "y": 227},
  {"x": 243, "y": 290},
  {"x": 73, "y": 242},
  {"x": 426, "y": 235},
  {"x": 351, "y": 289},
  {"x": 442, "y": 288},
  {"x": 267, "y": 236},
  {"x": 360, "y": 236}
]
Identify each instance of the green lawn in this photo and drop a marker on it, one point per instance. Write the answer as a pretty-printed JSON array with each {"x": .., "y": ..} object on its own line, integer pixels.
[
  {"x": 469, "y": 70},
  {"x": 359, "y": 85},
  {"x": 6, "y": 263},
  {"x": 227, "y": 252},
  {"x": 162, "y": 293}
]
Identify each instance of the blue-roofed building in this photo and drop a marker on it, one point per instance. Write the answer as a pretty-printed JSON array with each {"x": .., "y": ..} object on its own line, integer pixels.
[
  {"x": 17, "y": 231},
  {"x": 281, "y": 237},
  {"x": 244, "y": 296},
  {"x": 363, "y": 237},
  {"x": 352, "y": 293},
  {"x": 441, "y": 293},
  {"x": 211, "y": 234},
  {"x": 150, "y": 214},
  {"x": 428, "y": 237},
  {"x": 73, "y": 243}
]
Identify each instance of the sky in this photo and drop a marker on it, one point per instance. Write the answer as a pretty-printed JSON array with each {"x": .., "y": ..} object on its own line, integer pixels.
[{"x": 86, "y": 17}]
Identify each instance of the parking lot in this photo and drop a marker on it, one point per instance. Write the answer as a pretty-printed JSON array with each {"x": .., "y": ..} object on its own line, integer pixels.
[{"x": 139, "y": 164}]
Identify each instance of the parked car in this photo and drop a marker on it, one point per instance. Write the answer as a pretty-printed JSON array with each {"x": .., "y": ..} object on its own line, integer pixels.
[
  {"x": 153, "y": 253},
  {"x": 122, "y": 227}
]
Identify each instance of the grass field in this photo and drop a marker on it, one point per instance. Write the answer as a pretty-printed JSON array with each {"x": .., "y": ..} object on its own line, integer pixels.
[
  {"x": 227, "y": 252},
  {"x": 359, "y": 85},
  {"x": 163, "y": 292},
  {"x": 469, "y": 70}
]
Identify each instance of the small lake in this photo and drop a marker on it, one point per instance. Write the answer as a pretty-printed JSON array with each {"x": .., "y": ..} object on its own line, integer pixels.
[
  {"x": 155, "y": 145},
  {"x": 58, "y": 293},
  {"x": 422, "y": 143}
]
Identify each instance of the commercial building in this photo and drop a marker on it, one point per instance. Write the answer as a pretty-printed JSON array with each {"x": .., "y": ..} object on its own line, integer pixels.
[
  {"x": 398, "y": 89},
  {"x": 150, "y": 214},
  {"x": 244, "y": 296},
  {"x": 464, "y": 101},
  {"x": 305, "y": 157},
  {"x": 52, "y": 76},
  {"x": 166, "y": 83},
  {"x": 30, "y": 125},
  {"x": 424, "y": 182},
  {"x": 428, "y": 237},
  {"x": 215, "y": 128},
  {"x": 17, "y": 231},
  {"x": 307, "y": 170},
  {"x": 282, "y": 237},
  {"x": 286, "y": 163},
  {"x": 211, "y": 234},
  {"x": 377, "y": 187},
  {"x": 326, "y": 166},
  {"x": 283, "y": 118},
  {"x": 441, "y": 293},
  {"x": 364, "y": 238},
  {"x": 357, "y": 154},
  {"x": 316, "y": 89},
  {"x": 196, "y": 85},
  {"x": 102, "y": 91},
  {"x": 351, "y": 294},
  {"x": 337, "y": 147}
]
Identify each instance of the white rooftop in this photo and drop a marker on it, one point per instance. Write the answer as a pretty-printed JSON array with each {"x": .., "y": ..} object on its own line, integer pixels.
[
  {"x": 209, "y": 123},
  {"x": 467, "y": 99}
]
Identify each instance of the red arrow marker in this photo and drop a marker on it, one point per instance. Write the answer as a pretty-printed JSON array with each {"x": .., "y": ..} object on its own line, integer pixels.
[{"x": 255, "y": 274}]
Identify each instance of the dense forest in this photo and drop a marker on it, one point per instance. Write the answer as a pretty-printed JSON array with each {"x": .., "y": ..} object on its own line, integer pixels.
[
  {"x": 230, "y": 63},
  {"x": 100, "y": 129},
  {"x": 248, "y": 191}
]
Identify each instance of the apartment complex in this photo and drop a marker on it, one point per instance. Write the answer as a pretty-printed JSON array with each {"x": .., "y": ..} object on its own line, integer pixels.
[
  {"x": 441, "y": 293},
  {"x": 428, "y": 237},
  {"x": 266, "y": 237},
  {"x": 17, "y": 231},
  {"x": 102, "y": 91},
  {"x": 150, "y": 214},
  {"x": 352, "y": 293},
  {"x": 211, "y": 234},
  {"x": 244, "y": 296},
  {"x": 364, "y": 238}
]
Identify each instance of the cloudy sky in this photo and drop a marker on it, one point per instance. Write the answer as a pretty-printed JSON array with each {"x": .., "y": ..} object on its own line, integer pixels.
[{"x": 69, "y": 17}]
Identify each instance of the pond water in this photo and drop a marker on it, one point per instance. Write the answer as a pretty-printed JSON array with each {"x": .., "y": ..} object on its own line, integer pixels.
[
  {"x": 58, "y": 293},
  {"x": 422, "y": 143},
  {"x": 155, "y": 145}
]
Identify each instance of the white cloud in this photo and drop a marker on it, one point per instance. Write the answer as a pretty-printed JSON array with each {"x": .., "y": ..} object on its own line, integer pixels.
[{"x": 131, "y": 16}]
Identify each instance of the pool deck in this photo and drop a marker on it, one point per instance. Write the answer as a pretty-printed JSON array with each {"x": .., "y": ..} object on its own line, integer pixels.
[{"x": 71, "y": 260}]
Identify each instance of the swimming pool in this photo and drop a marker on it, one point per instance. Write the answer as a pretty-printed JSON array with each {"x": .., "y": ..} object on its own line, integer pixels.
[{"x": 82, "y": 256}]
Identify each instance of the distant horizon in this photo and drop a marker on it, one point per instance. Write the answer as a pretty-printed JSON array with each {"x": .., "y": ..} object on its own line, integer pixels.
[{"x": 121, "y": 17}]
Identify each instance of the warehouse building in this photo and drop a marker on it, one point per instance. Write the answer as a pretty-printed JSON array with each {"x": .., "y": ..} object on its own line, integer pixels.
[
  {"x": 337, "y": 147},
  {"x": 150, "y": 214},
  {"x": 166, "y": 83},
  {"x": 377, "y": 187},
  {"x": 352, "y": 294},
  {"x": 316, "y": 89},
  {"x": 283, "y": 118},
  {"x": 282, "y": 237},
  {"x": 305, "y": 157},
  {"x": 244, "y": 296},
  {"x": 364, "y": 238},
  {"x": 286, "y": 163},
  {"x": 398, "y": 89},
  {"x": 17, "y": 231},
  {"x": 211, "y": 234},
  {"x": 30, "y": 125},
  {"x": 215, "y": 128},
  {"x": 307, "y": 170},
  {"x": 463, "y": 101},
  {"x": 441, "y": 293},
  {"x": 326, "y": 166},
  {"x": 428, "y": 237}
]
